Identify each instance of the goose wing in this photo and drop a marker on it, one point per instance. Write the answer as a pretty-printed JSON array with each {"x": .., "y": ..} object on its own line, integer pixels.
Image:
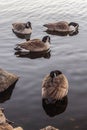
[
  {"x": 59, "y": 26},
  {"x": 50, "y": 26},
  {"x": 61, "y": 82},
  {"x": 56, "y": 88},
  {"x": 32, "y": 45},
  {"x": 61, "y": 86},
  {"x": 18, "y": 26},
  {"x": 49, "y": 89},
  {"x": 62, "y": 25}
]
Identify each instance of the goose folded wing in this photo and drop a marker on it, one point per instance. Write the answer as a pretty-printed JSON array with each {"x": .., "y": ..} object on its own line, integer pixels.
[
  {"x": 32, "y": 44},
  {"x": 18, "y": 26}
]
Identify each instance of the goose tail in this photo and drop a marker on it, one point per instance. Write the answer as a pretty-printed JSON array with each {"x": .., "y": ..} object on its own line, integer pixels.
[
  {"x": 17, "y": 48},
  {"x": 45, "y": 25}
]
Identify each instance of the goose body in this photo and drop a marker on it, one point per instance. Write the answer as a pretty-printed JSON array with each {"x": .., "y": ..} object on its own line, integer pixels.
[
  {"x": 54, "y": 86},
  {"x": 62, "y": 27},
  {"x": 6, "y": 79},
  {"x": 35, "y": 45},
  {"x": 22, "y": 28}
]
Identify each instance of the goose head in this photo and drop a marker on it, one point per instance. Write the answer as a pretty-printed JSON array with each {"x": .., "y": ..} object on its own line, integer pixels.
[
  {"x": 74, "y": 25},
  {"x": 46, "y": 39},
  {"x": 28, "y": 25},
  {"x": 55, "y": 73}
]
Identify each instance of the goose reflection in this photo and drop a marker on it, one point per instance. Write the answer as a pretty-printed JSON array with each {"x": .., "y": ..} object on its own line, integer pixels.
[
  {"x": 53, "y": 109},
  {"x": 22, "y": 36},
  {"x": 61, "y": 33},
  {"x": 6, "y": 95},
  {"x": 74, "y": 33},
  {"x": 34, "y": 55}
]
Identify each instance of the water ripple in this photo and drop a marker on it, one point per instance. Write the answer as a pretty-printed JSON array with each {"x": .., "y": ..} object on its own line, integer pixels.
[{"x": 68, "y": 54}]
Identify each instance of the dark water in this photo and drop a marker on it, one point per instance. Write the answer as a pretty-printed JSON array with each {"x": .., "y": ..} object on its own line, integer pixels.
[{"x": 24, "y": 105}]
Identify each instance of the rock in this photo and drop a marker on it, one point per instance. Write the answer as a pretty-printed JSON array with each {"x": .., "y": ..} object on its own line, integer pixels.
[
  {"x": 2, "y": 117},
  {"x": 4, "y": 125},
  {"x": 49, "y": 128},
  {"x": 6, "y": 95},
  {"x": 7, "y": 126},
  {"x": 6, "y": 79},
  {"x": 18, "y": 128}
]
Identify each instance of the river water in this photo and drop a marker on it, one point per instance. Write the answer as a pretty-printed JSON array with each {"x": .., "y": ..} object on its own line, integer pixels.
[{"x": 24, "y": 104}]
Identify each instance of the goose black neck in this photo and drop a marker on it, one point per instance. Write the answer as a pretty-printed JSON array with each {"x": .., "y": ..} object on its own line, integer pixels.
[
  {"x": 73, "y": 24},
  {"x": 55, "y": 73}
]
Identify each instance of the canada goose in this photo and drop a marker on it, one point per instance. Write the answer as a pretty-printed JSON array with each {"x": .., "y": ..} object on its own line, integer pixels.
[
  {"x": 54, "y": 86},
  {"x": 6, "y": 79},
  {"x": 62, "y": 27},
  {"x": 35, "y": 45},
  {"x": 22, "y": 28}
]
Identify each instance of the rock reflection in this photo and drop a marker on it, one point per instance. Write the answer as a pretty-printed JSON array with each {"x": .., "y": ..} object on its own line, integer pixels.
[
  {"x": 33, "y": 55},
  {"x": 53, "y": 109},
  {"x": 22, "y": 36},
  {"x": 62, "y": 33},
  {"x": 6, "y": 95}
]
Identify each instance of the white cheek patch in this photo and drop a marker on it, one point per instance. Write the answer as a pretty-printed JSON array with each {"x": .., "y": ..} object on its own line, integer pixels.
[
  {"x": 47, "y": 44},
  {"x": 71, "y": 28},
  {"x": 48, "y": 39}
]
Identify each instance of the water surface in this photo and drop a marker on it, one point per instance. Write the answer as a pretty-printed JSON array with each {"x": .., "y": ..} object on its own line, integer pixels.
[{"x": 68, "y": 54}]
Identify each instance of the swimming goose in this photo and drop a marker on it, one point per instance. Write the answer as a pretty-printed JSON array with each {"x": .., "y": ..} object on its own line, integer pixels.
[
  {"x": 54, "y": 86},
  {"x": 22, "y": 28},
  {"x": 35, "y": 45},
  {"x": 62, "y": 27}
]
